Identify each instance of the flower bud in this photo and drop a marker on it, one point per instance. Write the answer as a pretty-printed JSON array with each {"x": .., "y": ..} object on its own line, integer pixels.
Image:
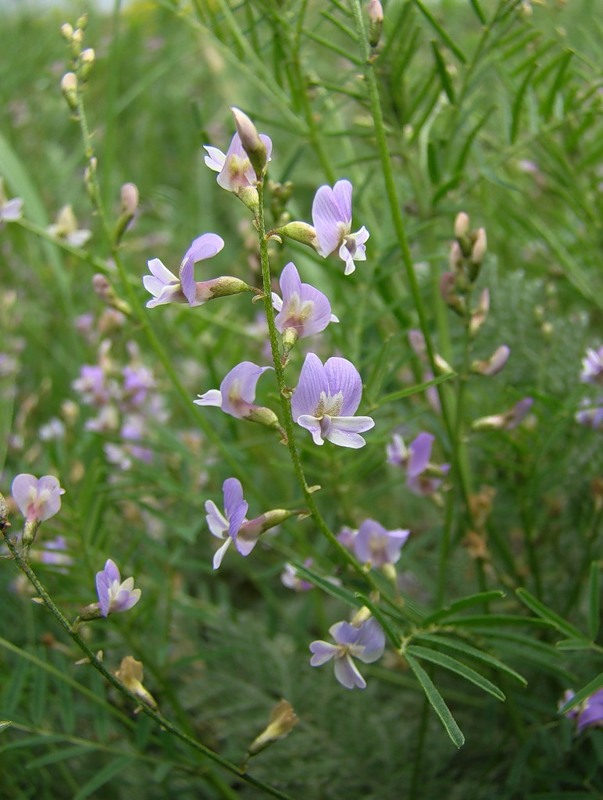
[
  {"x": 494, "y": 364},
  {"x": 375, "y": 15},
  {"x": 67, "y": 31},
  {"x": 299, "y": 232},
  {"x": 461, "y": 225},
  {"x": 252, "y": 144},
  {"x": 69, "y": 87},
  {"x": 87, "y": 58},
  {"x": 449, "y": 295},
  {"x": 129, "y": 198},
  {"x": 480, "y": 314},
  {"x": 480, "y": 246},
  {"x": 282, "y": 720},
  {"x": 131, "y": 674},
  {"x": 263, "y": 416}
]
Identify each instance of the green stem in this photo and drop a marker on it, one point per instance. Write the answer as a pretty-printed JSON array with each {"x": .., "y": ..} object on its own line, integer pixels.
[
  {"x": 458, "y": 458},
  {"x": 100, "y": 667},
  {"x": 284, "y": 393}
]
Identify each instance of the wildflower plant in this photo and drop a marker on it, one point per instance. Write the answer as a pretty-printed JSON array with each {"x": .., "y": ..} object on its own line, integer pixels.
[{"x": 419, "y": 503}]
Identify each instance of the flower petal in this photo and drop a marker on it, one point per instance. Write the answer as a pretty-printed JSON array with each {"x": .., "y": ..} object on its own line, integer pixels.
[
  {"x": 420, "y": 453},
  {"x": 312, "y": 381},
  {"x": 344, "y": 431},
  {"x": 238, "y": 388},
  {"x": 311, "y": 424},
  {"x": 220, "y": 553},
  {"x": 215, "y": 158},
  {"x": 326, "y": 220},
  {"x": 216, "y": 521},
  {"x": 213, "y": 397},
  {"x": 372, "y": 640},
  {"x": 323, "y": 652},
  {"x": 342, "y": 376},
  {"x": 342, "y": 195},
  {"x": 347, "y": 673}
]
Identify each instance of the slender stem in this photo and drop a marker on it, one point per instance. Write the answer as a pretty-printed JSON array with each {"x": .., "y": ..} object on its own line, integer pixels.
[
  {"x": 95, "y": 662},
  {"x": 457, "y": 447},
  {"x": 285, "y": 393}
]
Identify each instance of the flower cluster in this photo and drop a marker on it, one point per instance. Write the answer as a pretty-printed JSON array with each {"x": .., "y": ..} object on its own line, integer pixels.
[{"x": 126, "y": 403}]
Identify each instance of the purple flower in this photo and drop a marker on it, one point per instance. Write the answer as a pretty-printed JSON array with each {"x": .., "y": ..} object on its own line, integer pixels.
[
  {"x": 92, "y": 385},
  {"x": 303, "y": 308},
  {"x": 366, "y": 642},
  {"x": 235, "y": 170},
  {"x": 237, "y": 391},
  {"x": 591, "y": 415},
  {"x": 589, "y": 713},
  {"x": 38, "y": 499},
  {"x": 375, "y": 545},
  {"x": 291, "y": 579},
  {"x": 167, "y": 288},
  {"x": 66, "y": 228},
  {"x": 415, "y": 460},
  {"x": 10, "y": 210},
  {"x": 592, "y": 366},
  {"x": 506, "y": 420},
  {"x": 113, "y": 593},
  {"x": 227, "y": 526},
  {"x": 332, "y": 219},
  {"x": 325, "y": 400},
  {"x": 54, "y": 554}
]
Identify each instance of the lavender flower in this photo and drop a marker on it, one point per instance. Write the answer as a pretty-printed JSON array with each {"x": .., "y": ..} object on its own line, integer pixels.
[
  {"x": 591, "y": 415},
  {"x": 292, "y": 580},
  {"x": 232, "y": 525},
  {"x": 366, "y": 642},
  {"x": 10, "y": 210},
  {"x": 326, "y": 399},
  {"x": 332, "y": 219},
  {"x": 38, "y": 499},
  {"x": 167, "y": 288},
  {"x": 114, "y": 594},
  {"x": 589, "y": 713},
  {"x": 506, "y": 420},
  {"x": 235, "y": 171},
  {"x": 414, "y": 459},
  {"x": 303, "y": 309},
  {"x": 375, "y": 545},
  {"x": 237, "y": 391},
  {"x": 592, "y": 366},
  {"x": 66, "y": 227}
]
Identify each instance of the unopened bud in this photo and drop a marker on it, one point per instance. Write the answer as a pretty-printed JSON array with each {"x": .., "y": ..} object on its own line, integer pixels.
[
  {"x": 282, "y": 720},
  {"x": 129, "y": 198},
  {"x": 263, "y": 416},
  {"x": 131, "y": 674},
  {"x": 86, "y": 62},
  {"x": 494, "y": 364},
  {"x": 461, "y": 225},
  {"x": 67, "y": 31},
  {"x": 252, "y": 144},
  {"x": 442, "y": 366},
  {"x": 69, "y": 88},
  {"x": 82, "y": 22},
  {"x": 507, "y": 420},
  {"x": 481, "y": 312},
  {"x": 299, "y": 232},
  {"x": 480, "y": 246},
  {"x": 455, "y": 257},
  {"x": 361, "y": 616},
  {"x": 375, "y": 15},
  {"x": 108, "y": 295},
  {"x": 129, "y": 205}
]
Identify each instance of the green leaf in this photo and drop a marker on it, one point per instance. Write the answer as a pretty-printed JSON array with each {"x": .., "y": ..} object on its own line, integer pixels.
[
  {"x": 61, "y": 754},
  {"x": 495, "y": 620},
  {"x": 586, "y": 691},
  {"x": 594, "y": 600},
  {"x": 103, "y": 776},
  {"x": 437, "y": 702},
  {"x": 330, "y": 588},
  {"x": 4, "y": 724},
  {"x": 547, "y": 106},
  {"x": 573, "y": 644},
  {"x": 547, "y": 614},
  {"x": 480, "y": 14},
  {"x": 473, "y": 652},
  {"x": 465, "y": 602},
  {"x": 448, "y": 41},
  {"x": 449, "y": 663},
  {"x": 443, "y": 72},
  {"x": 518, "y": 104}
]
